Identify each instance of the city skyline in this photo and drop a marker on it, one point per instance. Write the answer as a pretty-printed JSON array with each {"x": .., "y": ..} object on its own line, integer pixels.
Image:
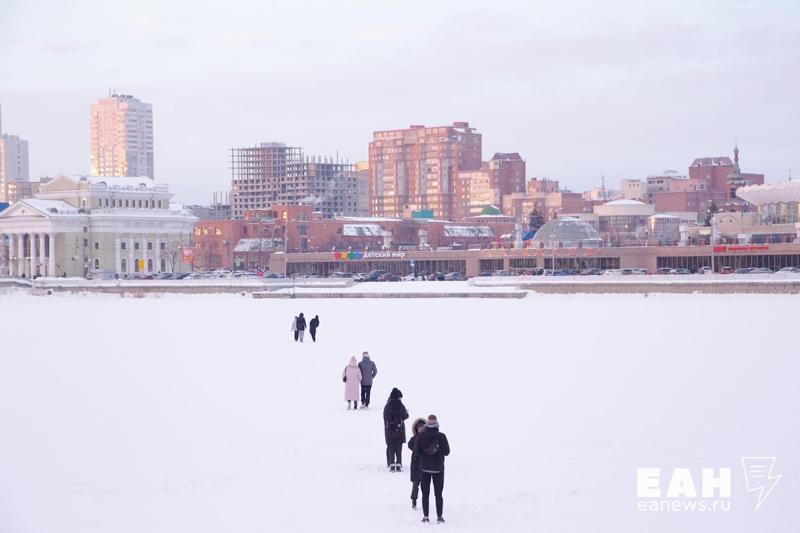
[{"x": 574, "y": 92}]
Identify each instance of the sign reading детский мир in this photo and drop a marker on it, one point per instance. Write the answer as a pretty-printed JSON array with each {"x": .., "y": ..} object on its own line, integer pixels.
[{"x": 349, "y": 256}]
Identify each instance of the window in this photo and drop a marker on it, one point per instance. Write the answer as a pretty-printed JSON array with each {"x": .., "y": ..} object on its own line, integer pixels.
[
  {"x": 97, "y": 264},
  {"x": 163, "y": 246},
  {"x": 127, "y": 204},
  {"x": 149, "y": 265},
  {"x": 217, "y": 231},
  {"x": 163, "y": 265},
  {"x": 197, "y": 231},
  {"x": 85, "y": 243},
  {"x": 149, "y": 245},
  {"x": 96, "y": 245},
  {"x": 136, "y": 245},
  {"x": 123, "y": 245},
  {"x": 159, "y": 204},
  {"x": 123, "y": 264}
]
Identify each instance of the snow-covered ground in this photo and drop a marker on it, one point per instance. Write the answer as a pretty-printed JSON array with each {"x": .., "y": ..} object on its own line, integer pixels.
[{"x": 200, "y": 414}]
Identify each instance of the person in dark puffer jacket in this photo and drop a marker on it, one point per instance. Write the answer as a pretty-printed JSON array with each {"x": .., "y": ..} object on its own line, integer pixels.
[
  {"x": 432, "y": 447},
  {"x": 394, "y": 427},
  {"x": 416, "y": 475}
]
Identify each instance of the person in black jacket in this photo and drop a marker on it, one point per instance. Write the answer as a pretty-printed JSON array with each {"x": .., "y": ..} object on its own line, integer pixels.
[
  {"x": 312, "y": 327},
  {"x": 416, "y": 475},
  {"x": 394, "y": 427},
  {"x": 432, "y": 447},
  {"x": 301, "y": 326}
]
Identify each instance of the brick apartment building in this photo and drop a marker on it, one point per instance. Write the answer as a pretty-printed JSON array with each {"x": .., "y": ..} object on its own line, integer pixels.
[{"x": 416, "y": 168}]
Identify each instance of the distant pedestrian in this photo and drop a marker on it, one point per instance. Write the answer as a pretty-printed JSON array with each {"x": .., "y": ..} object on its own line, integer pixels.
[
  {"x": 432, "y": 447},
  {"x": 416, "y": 475},
  {"x": 312, "y": 327},
  {"x": 394, "y": 427},
  {"x": 301, "y": 326},
  {"x": 368, "y": 372},
  {"x": 294, "y": 329},
  {"x": 351, "y": 377}
]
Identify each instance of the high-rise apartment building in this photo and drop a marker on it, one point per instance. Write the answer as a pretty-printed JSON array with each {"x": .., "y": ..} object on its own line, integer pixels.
[
  {"x": 416, "y": 169},
  {"x": 270, "y": 174},
  {"x": 507, "y": 173},
  {"x": 121, "y": 137},
  {"x": 13, "y": 163}
]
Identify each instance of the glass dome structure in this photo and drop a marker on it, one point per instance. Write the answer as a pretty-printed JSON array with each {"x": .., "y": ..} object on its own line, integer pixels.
[{"x": 567, "y": 232}]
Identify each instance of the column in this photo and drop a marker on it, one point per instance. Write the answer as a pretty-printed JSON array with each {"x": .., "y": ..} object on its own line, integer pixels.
[
  {"x": 41, "y": 255},
  {"x": 20, "y": 254},
  {"x": 117, "y": 253},
  {"x": 32, "y": 246},
  {"x": 157, "y": 265},
  {"x": 144, "y": 253},
  {"x": 9, "y": 254},
  {"x": 130, "y": 254},
  {"x": 51, "y": 256}
]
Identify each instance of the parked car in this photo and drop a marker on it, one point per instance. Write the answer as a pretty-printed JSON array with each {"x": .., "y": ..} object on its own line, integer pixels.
[
  {"x": 612, "y": 272},
  {"x": 662, "y": 271},
  {"x": 556, "y": 272},
  {"x": 705, "y": 270},
  {"x": 388, "y": 276},
  {"x": 484, "y": 274},
  {"x": 409, "y": 277},
  {"x": 181, "y": 275},
  {"x": 373, "y": 275},
  {"x": 627, "y": 271},
  {"x": 502, "y": 273},
  {"x": 761, "y": 271},
  {"x": 359, "y": 277},
  {"x": 788, "y": 270},
  {"x": 726, "y": 270},
  {"x": 163, "y": 275},
  {"x": 640, "y": 271},
  {"x": 590, "y": 272},
  {"x": 341, "y": 275},
  {"x": 680, "y": 271},
  {"x": 454, "y": 276},
  {"x": 743, "y": 270}
]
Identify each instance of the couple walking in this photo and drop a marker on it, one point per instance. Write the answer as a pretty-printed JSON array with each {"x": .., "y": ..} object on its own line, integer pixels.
[
  {"x": 356, "y": 374},
  {"x": 428, "y": 448},
  {"x": 299, "y": 327}
]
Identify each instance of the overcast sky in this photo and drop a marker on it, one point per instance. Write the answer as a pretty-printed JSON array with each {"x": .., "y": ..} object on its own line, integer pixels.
[{"x": 580, "y": 89}]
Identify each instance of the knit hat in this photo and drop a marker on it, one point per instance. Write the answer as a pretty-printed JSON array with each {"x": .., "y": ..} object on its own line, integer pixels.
[
  {"x": 418, "y": 425},
  {"x": 396, "y": 393},
  {"x": 433, "y": 422}
]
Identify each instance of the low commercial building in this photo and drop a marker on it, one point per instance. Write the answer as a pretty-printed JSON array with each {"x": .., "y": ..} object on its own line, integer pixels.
[
  {"x": 472, "y": 262},
  {"x": 104, "y": 225}
]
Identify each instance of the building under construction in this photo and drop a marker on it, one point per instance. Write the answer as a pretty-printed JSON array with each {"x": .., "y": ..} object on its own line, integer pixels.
[{"x": 270, "y": 174}]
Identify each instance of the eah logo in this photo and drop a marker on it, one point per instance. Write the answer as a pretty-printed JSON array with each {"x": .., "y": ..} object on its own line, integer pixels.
[{"x": 712, "y": 493}]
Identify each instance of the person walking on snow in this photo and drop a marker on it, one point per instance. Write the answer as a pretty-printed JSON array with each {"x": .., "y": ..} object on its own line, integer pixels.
[
  {"x": 416, "y": 475},
  {"x": 368, "y": 372},
  {"x": 394, "y": 427},
  {"x": 294, "y": 329},
  {"x": 432, "y": 447},
  {"x": 301, "y": 326},
  {"x": 312, "y": 327},
  {"x": 351, "y": 377}
]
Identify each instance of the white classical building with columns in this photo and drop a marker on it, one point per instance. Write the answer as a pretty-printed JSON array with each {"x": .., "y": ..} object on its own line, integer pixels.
[{"x": 80, "y": 225}]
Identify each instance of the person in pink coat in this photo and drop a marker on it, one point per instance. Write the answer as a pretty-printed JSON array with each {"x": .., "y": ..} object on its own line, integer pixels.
[{"x": 352, "y": 379}]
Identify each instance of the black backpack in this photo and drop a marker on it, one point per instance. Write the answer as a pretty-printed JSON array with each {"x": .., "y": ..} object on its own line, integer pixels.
[{"x": 433, "y": 447}]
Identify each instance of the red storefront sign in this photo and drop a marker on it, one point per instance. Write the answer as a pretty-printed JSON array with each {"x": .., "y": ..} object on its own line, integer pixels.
[{"x": 745, "y": 248}]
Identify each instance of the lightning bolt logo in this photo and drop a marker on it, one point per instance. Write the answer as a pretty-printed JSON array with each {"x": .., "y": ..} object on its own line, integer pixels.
[{"x": 758, "y": 476}]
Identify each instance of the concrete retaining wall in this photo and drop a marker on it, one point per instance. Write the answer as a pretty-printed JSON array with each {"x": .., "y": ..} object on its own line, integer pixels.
[{"x": 312, "y": 295}]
